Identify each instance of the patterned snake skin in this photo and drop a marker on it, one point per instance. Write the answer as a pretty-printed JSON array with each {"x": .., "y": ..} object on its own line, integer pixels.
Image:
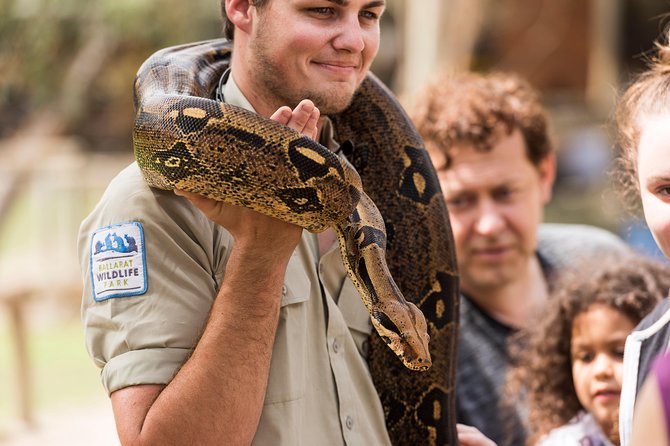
[{"x": 185, "y": 140}]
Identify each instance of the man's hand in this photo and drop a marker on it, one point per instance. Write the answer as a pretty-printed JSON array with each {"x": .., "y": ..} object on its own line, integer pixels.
[
  {"x": 304, "y": 118},
  {"x": 470, "y": 436}
]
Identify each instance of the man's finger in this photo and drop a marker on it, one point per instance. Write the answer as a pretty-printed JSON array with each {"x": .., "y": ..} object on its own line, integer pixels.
[
  {"x": 282, "y": 115},
  {"x": 301, "y": 115}
]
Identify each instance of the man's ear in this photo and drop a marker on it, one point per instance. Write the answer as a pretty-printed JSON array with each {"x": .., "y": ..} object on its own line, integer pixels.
[
  {"x": 239, "y": 13},
  {"x": 547, "y": 170}
]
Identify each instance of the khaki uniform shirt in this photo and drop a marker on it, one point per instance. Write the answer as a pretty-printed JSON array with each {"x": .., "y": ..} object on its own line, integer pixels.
[{"x": 152, "y": 265}]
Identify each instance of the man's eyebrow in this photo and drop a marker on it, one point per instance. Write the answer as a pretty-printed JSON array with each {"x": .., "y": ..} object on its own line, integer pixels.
[{"x": 372, "y": 4}]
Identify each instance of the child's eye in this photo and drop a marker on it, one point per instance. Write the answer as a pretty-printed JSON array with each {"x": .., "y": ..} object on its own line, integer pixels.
[
  {"x": 659, "y": 187},
  {"x": 583, "y": 356}
]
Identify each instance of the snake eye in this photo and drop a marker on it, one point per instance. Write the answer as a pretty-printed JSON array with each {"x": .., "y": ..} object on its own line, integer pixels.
[{"x": 387, "y": 323}]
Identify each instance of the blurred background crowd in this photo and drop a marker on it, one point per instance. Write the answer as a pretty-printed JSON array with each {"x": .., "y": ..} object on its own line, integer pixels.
[{"x": 66, "y": 111}]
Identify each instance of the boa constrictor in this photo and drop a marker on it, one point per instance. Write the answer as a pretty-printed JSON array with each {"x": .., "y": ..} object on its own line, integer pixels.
[{"x": 183, "y": 139}]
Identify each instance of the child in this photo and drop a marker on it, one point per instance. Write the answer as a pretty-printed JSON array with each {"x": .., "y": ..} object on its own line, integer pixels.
[
  {"x": 643, "y": 126},
  {"x": 570, "y": 365}
]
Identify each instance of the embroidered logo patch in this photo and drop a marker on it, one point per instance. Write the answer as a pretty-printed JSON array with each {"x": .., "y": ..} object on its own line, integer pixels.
[{"x": 118, "y": 262}]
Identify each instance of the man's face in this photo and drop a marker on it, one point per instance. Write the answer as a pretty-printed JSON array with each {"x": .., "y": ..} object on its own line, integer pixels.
[
  {"x": 495, "y": 202},
  {"x": 313, "y": 49}
]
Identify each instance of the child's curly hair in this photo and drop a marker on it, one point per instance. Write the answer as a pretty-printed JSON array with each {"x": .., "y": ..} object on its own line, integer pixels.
[{"x": 543, "y": 372}]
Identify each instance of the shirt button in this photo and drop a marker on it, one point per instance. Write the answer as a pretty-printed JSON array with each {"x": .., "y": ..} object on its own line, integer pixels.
[
  {"x": 349, "y": 422},
  {"x": 336, "y": 346},
  {"x": 283, "y": 291}
]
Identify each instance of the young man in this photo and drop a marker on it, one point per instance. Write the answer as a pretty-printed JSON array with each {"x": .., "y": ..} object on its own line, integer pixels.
[
  {"x": 272, "y": 353},
  {"x": 488, "y": 139}
]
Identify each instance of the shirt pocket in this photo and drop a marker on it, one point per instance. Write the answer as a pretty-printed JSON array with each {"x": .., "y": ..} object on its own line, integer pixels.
[
  {"x": 356, "y": 316},
  {"x": 287, "y": 378}
]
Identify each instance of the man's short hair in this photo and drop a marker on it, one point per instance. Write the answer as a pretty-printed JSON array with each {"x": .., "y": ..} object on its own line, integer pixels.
[
  {"x": 472, "y": 108},
  {"x": 228, "y": 27}
]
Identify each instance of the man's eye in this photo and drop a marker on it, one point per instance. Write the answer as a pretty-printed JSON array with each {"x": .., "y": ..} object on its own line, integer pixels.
[
  {"x": 369, "y": 15},
  {"x": 503, "y": 194},
  {"x": 457, "y": 202},
  {"x": 322, "y": 11}
]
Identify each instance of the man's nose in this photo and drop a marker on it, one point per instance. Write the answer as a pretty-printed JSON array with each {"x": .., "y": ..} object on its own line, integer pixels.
[
  {"x": 350, "y": 37},
  {"x": 490, "y": 219}
]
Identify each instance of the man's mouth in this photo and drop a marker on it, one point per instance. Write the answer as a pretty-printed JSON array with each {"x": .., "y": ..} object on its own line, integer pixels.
[
  {"x": 340, "y": 67},
  {"x": 490, "y": 252}
]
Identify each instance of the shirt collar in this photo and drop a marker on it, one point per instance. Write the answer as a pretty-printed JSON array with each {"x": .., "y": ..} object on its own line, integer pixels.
[{"x": 230, "y": 93}]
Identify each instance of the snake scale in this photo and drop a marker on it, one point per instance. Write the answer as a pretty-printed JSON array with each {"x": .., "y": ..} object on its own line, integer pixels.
[{"x": 183, "y": 139}]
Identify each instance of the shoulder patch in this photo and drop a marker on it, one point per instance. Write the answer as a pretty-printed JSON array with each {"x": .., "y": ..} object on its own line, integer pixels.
[{"x": 118, "y": 261}]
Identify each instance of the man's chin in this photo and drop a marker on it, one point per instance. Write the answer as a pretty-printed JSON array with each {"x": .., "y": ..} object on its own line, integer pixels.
[
  {"x": 333, "y": 105},
  {"x": 333, "y": 97},
  {"x": 485, "y": 280}
]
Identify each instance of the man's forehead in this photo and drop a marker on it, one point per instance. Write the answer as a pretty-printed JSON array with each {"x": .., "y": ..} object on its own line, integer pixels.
[
  {"x": 479, "y": 177},
  {"x": 506, "y": 148}
]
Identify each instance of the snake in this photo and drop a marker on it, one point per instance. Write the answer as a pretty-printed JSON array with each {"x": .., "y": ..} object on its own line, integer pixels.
[{"x": 381, "y": 196}]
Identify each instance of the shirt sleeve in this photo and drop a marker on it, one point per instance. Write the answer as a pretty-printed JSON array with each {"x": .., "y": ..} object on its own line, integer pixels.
[{"x": 144, "y": 337}]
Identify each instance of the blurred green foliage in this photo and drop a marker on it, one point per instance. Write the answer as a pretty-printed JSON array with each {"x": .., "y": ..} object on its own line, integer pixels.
[{"x": 73, "y": 62}]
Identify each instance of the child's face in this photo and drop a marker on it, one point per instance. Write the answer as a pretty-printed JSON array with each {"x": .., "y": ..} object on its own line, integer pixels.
[
  {"x": 653, "y": 165},
  {"x": 597, "y": 344}
]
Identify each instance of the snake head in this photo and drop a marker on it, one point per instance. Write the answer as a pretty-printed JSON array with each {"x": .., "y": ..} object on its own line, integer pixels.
[{"x": 402, "y": 326}]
